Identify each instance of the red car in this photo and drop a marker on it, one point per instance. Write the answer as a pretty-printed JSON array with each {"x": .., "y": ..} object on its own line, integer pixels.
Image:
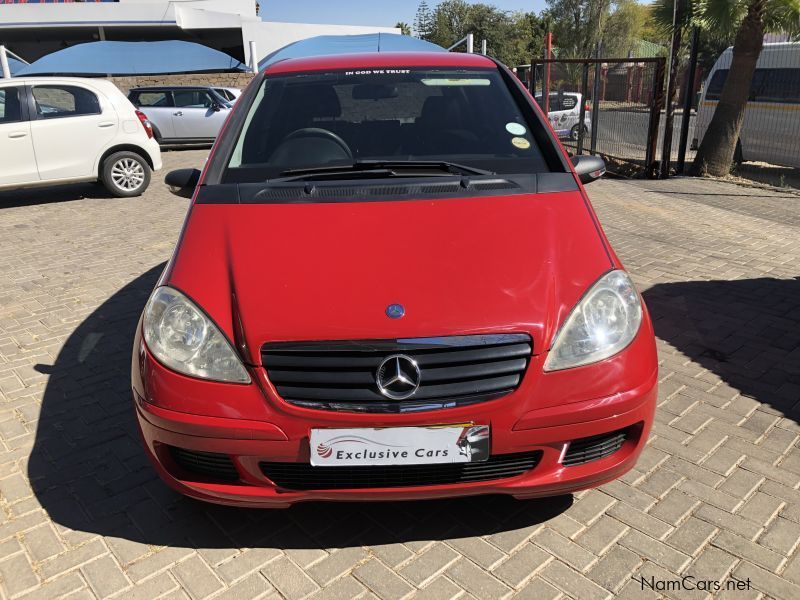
[{"x": 391, "y": 285}]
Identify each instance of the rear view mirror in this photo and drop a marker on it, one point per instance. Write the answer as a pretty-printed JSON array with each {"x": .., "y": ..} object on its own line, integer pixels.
[
  {"x": 589, "y": 168},
  {"x": 374, "y": 91},
  {"x": 182, "y": 182}
]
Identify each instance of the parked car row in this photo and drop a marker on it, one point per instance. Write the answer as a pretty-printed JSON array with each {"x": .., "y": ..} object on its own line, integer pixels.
[
  {"x": 42, "y": 119},
  {"x": 184, "y": 115},
  {"x": 67, "y": 130}
]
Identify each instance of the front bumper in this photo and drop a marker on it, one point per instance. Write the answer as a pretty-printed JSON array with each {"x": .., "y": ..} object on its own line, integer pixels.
[{"x": 177, "y": 411}]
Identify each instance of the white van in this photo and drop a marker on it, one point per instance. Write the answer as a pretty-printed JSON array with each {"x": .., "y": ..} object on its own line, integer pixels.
[{"x": 771, "y": 127}]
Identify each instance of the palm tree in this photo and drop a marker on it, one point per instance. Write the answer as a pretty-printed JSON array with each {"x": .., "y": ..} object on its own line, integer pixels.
[
  {"x": 747, "y": 20},
  {"x": 404, "y": 28}
]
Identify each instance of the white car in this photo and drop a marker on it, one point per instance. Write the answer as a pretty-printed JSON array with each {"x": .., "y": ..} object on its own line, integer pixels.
[
  {"x": 565, "y": 114},
  {"x": 56, "y": 130}
]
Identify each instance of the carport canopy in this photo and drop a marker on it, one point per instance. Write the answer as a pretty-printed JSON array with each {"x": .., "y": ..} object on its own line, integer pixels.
[
  {"x": 132, "y": 58},
  {"x": 328, "y": 45}
]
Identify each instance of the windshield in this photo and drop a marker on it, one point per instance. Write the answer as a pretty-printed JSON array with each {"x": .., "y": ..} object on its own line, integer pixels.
[{"x": 319, "y": 120}]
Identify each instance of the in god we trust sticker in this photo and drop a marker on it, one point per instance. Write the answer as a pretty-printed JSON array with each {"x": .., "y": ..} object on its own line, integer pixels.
[{"x": 379, "y": 72}]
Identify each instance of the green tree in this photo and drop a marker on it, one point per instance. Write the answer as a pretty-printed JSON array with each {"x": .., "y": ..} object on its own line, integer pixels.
[
  {"x": 404, "y": 28},
  {"x": 423, "y": 22},
  {"x": 528, "y": 41},
  {"x": 450, "y": 22},
  {"x": 624, "y": 28},
  {"x": 577, "y": 25},
  {"x": 747, "y": 21},
  {"x": 512, "y": 38}
]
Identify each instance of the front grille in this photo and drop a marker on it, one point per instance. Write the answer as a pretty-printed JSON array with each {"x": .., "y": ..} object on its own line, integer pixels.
[
  {"x": 207, "y": 464},
  {"x": 594, "y": 448},
  {"x": 302, "y": 476},
  {"x": 341, "y": 375}
]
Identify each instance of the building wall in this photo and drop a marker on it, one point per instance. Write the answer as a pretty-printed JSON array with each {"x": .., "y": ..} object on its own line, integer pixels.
[
  {"x": 270, "y": 36},
  {"x": 238, "y": 80}
]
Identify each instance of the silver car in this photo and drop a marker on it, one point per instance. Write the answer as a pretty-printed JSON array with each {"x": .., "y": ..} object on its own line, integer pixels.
[
  {"x": 229, "y": 93},
  {"x": 182, "y": 115}
]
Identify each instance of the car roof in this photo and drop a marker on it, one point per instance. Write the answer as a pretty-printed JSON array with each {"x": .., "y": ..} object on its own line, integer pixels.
[
  {"x": 96, "y": 81},
  {"x": 172, "y": 87},
  {"x": 374, "y": 60}
]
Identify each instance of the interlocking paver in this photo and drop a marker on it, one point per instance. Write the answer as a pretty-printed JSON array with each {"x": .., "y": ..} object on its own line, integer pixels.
[
  {"x": 440, "y": 588},
  {"x": 288, "y": 579},
  {"x": 17, "y": 575},
  {"x": 196, "y": 577},
  {"x": 573, "y": 583},
  {"x": 477, "y": 582},
  {"x": 564, "y": 549},
  {"x": 105, "y": 577},
  {"x": 83, "y": 514},
  {"x": 615, "y": 568},
  {"x": 381, "y": 580},
  {"x": 691, "y": 537},
  {"x": 522, "y": 565},
  {"x": 429, "y": 564},
  {"x": 654, "y": 550}
]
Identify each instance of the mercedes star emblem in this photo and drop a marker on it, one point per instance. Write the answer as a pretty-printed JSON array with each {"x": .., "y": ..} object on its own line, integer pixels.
[
  {"x": 395, "y": 311},
  {"x": 398, "y": 377}
]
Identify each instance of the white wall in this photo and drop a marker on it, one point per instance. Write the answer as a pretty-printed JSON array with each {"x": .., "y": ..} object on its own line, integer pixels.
[
  {"x": 151, "y": 11},
  {"x": 270, "y": 36}
]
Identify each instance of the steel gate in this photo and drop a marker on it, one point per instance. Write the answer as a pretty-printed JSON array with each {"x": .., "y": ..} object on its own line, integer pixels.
[{"x": 619, "y": 101}]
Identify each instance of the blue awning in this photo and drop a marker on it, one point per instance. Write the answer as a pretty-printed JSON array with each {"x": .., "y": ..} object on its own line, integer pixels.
[
  {"x": 133, "y": 58},
  {"x": 15, "y": 65},
  {"x": 327, "y": 45}
]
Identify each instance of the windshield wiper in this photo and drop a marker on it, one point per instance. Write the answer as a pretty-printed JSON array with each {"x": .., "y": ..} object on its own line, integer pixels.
[
  {"x": 382, "y": 168},
  {"x": 451, "y": 167}
]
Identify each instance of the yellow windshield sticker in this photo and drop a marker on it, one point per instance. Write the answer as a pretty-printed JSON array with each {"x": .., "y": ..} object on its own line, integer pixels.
[{"x": 521, "y": 143}]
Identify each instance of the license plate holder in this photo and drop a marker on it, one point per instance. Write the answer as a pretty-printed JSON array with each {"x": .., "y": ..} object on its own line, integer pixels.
[{"x": 386, "y": 446}]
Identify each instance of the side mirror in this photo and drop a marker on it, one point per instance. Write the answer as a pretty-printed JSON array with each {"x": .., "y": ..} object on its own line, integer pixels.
[
  {"x": 216, "y": 107},
  {"x": 589, "y": 168},
  {"x": 182, "y": 182}
]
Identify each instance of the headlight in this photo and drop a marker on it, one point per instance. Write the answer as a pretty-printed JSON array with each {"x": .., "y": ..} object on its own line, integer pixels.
[
  {"x": 184, "y": 339},
  {"x": 603, "y": 323}
]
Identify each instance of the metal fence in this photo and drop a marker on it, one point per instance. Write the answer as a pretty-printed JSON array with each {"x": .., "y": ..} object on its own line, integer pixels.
[{"x": 619, "y": 103}]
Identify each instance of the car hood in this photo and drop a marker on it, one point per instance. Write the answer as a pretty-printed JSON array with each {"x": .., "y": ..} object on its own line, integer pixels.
[{"x": 328, "y": 271}]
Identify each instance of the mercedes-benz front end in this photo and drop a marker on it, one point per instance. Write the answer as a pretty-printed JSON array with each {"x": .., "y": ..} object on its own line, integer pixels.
[{"x": 391, "y": 285}]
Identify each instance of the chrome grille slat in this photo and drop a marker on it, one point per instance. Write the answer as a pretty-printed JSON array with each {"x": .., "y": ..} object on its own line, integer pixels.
[{"x": 340, "y": 375}]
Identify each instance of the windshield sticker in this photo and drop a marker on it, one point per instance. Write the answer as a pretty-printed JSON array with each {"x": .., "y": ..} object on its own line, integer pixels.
[
  {"x": 516, "y": 129},
  {"x": 521, "y": 143},
  {"x": 446, "y": 82},
  {"x": 379, "y": 72}
]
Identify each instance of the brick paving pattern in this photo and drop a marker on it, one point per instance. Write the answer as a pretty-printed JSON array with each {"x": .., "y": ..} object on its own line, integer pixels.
[{"x": 714, "y": 496}]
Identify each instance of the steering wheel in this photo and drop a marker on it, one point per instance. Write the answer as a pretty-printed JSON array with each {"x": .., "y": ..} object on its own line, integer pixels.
[{"x": 319, "y": 133}]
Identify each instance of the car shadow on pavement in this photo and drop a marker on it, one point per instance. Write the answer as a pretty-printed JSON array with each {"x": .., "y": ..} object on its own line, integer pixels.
[
  {"x": 747, "y": 332},
  {"x": 89, "y": 472},
  {"x": 51, "y": 194}
]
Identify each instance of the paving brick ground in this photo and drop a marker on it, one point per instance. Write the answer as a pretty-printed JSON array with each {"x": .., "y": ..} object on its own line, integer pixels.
[{"x": 714, "y": 496}]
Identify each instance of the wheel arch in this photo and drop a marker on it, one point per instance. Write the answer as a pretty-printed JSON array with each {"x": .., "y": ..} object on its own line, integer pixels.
[{"x": 122, "y": 148}]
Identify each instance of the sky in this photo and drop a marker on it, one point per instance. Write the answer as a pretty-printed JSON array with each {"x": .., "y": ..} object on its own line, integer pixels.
[{"x": 364, "y": 12}]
